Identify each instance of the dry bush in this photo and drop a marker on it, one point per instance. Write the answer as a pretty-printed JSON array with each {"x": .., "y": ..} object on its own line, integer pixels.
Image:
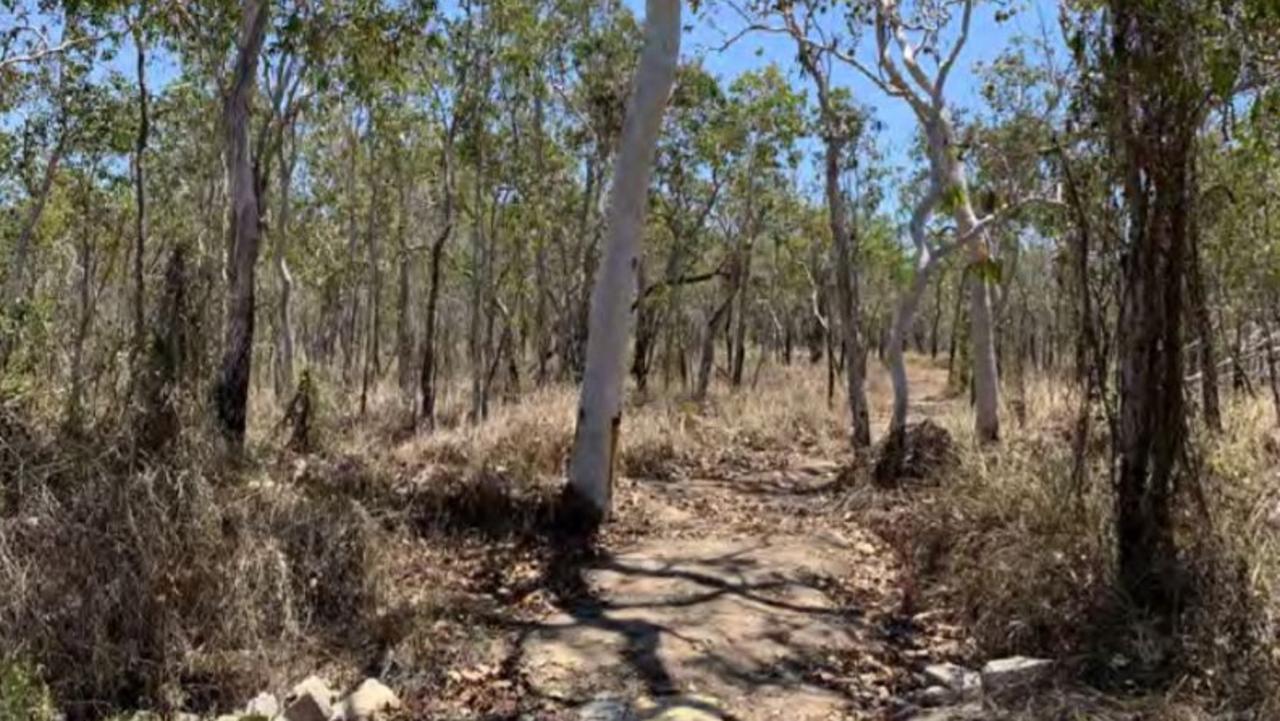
[
  {"x": 528, "y": 438},
  {"x": 1027, "y": 559},
  {"x": 168, "y": 587}
]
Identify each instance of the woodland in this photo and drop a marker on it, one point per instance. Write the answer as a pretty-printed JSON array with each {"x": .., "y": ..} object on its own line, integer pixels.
[{"x": 513, "y": 359}]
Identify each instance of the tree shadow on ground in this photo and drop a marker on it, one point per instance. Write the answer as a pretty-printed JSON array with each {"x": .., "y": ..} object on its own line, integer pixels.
[{"x": 639, "y": 628}]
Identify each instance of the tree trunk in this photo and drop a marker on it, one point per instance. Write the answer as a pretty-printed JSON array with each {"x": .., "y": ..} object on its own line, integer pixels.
[
  {"x": 599, "y": 414},
  {"x": 982, "y": 331},
  {"x": 427, "y": 377},
  {"x": 903, "y": 319},
  {"x": 707, "y": 350},
  {"x": 231, "y": 392},
  {"x": 1204, "y": 332},
  {"x": 140, "y": 221},
  {"x": 1273, "y": 366},
  {"x": 475, "y": 321},
  {"x": 284, "y": 322},
  {"x": 1156, "y": 140},
  {"x": 847, "y": 296}
]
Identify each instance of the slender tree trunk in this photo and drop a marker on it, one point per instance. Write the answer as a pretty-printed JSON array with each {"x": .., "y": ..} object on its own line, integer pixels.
[
  {"x": 284, "y": 321},
  {"x": 982, "y": 330},
  {"x": 352, "y": 309},
  {"x": 475, "y": 322},
  {"x": 1273, "y": 365},
  {"x": 707, "y": 350},
  {"x": 1204, "y": 332},
  {"x": 847, "y": 295},
  {"x": 427, "y": 377},
  {"x": 937, "y": 319},
  {"x": 140, "y": 221},
  {"x": 905, "y": 310},
  {"x": 231, "y": 392},
  {"x": 591, "y": 465}
]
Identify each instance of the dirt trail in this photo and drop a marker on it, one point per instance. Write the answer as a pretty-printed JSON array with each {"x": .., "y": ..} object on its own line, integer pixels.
[{"x": 753, "y": 597}]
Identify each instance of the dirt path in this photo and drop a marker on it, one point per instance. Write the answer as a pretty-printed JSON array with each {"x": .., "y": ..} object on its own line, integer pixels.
[{"x": 753, "y": 596}]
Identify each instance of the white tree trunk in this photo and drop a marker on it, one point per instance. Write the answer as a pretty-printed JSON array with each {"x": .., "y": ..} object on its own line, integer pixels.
[
  {"x": 600, "y": 407},
  {"x": 986, "y": 380}
]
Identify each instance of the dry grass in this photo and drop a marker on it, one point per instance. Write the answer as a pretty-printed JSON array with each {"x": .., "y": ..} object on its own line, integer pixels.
[
  {"x": 170, "y": 587},
  {"x": 1027, "y": 560},
  {"x": 194, "y": 585}
]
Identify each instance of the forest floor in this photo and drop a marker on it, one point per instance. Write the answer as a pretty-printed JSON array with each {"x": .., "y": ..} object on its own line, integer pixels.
[
  {"x": 751, "y": 569},
  {"x": 742, "y": 586}
]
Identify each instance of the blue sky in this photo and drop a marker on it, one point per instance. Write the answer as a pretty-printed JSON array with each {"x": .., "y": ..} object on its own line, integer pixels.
[{"x": 709, "y": 30}]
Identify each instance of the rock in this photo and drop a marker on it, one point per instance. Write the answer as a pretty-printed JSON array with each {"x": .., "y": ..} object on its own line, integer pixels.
[
  {"x": 371, "y": 701},
  {"x": 1012, "y": 673},
  {"x": 681, "y": 708},
  {"x": 683, "y": 713},
  {"x": 605, "y": 708},
  {"x": 264, "y": 705},
  {"x": 935, "y": 696},
  {"x": 310, "y": 700},
  {"x": 968, "y": 712},
  {"x": 958, "y": 679}
]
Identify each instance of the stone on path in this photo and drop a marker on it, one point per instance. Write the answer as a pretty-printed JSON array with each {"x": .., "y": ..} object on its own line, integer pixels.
[
  {"x": 954, "y": 677},
  {"x": 1013, "y": 673},
  {"x": 310, "y": 700},
  {"x": 263, "y": 705},
  {"x": 369, "y": 702}
]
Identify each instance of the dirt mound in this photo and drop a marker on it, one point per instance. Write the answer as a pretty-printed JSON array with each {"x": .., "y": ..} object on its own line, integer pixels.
[{"x": 923, "y": 452}]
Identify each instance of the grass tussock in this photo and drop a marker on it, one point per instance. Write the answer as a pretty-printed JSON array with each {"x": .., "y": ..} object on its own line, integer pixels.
[
  {"x": 1027, "y": 559},
  {"x": 167, "y": 587}
]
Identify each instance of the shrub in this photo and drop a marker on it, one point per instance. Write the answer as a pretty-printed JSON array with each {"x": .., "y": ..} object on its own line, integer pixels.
[{"x": 23, "y": 695}]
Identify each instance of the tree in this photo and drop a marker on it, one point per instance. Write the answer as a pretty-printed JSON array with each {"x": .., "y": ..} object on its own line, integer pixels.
[
  {"x": 839, "y": 126},
  {"x": 231, "y": 392},
  {"x": 592, "y": 462}
]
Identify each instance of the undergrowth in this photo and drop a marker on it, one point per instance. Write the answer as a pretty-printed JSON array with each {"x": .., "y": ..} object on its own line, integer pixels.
[{"x": 1027, "y": 560}]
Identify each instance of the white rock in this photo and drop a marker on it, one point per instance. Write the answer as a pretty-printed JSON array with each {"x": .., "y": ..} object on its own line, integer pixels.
[
  {"x": 954, "y": 677},
  {"x": 605, "y": 708},
  {"x": 1014, "y": 672},
  {"x": 935, "y": 696},
  {"x": 369, "y": 702},
  {"x": 310, "y": 700},
  {"x": 264, "y": 705}
]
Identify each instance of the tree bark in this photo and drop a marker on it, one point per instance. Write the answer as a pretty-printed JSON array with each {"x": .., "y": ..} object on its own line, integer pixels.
[
  {"x": 1154, "y": 132},
  {"x": 427, "y": 378},
  {"x": 707, "y": 350},
  {"x": 284, "y": 322},
  {"x": 140, "y": 199},
  {"x": 231, "y": 391},
  {"x": 591, "y": 465}
]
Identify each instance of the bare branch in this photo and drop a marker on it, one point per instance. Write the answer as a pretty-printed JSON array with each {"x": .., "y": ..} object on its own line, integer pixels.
[{"x": 950, "y": 62}]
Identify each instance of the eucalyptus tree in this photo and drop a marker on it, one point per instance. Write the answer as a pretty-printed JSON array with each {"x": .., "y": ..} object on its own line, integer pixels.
[
  {"x": 231, "y": 392},
  {"x": 838, "y": 126},
  {"x": 1152, "y": 72},
  {"x": 593, "y": 458}
]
